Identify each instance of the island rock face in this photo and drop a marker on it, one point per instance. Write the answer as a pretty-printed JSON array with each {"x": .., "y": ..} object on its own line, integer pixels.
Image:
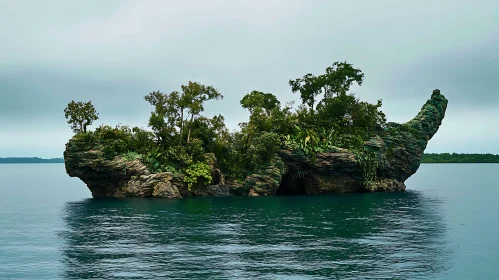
[
  {"x": 122, "y": 178},
  {"x": 396, "y": 155},
  {"x": 391, "y": 158}
]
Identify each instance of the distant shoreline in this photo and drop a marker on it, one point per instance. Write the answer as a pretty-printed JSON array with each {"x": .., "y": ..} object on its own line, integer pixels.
[
  {"x": 459, "y": 158},
  {"x": 20, "y": 160}
]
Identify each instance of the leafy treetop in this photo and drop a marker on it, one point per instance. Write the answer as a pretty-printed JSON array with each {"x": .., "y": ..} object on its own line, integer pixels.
[
  {"x": 258, "y": 101},
  {"x": 336, "y": 81},
  {"x": 176, "y": 110},
  {"x": 80, "y": 115}
]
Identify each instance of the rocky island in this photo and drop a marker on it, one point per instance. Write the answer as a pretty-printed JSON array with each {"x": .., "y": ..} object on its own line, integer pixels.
[{"x": 339, "y": 145}]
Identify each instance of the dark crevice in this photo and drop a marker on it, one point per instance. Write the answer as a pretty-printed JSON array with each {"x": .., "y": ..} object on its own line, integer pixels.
[{"x": 292, "y": 184}]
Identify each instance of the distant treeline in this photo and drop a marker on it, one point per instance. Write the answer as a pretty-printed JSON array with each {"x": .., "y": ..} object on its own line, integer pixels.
[
  {"x": 460, "y": 158},
  {"x": 30, "y": 160}
]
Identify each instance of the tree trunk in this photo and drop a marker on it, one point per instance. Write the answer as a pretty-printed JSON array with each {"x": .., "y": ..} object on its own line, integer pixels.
[
  {"x": 181, "y": 125},
  {"x": 190, "y": 127}
]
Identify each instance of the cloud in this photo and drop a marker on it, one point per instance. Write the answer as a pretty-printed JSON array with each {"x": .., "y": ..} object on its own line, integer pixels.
[
  {"x": 469, "y": 75},
  {"x": 115, "y": 52}
]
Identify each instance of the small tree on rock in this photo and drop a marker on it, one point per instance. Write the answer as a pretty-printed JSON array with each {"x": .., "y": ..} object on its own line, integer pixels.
[{"x": 80, "y": 115}]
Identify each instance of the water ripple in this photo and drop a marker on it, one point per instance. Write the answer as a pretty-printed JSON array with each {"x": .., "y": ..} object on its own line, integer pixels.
[{"x": 368, "y": 236}]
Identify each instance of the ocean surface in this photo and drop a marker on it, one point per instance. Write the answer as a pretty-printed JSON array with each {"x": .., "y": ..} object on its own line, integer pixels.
[{"x": 446, "y": 226}]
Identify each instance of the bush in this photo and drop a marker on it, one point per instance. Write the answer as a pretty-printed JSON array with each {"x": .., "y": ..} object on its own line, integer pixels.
[
  {"x": 262, "y": 149},
  {"x": 131, "y": 156},
  {"x": 118, "y": 140},
  {"x": 197, "y": 171}
]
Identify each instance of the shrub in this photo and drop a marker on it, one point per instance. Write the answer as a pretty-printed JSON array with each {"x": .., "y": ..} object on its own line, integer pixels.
[
  {"x": 131, "y": 156},
  {"x": 197, "y": 171}
]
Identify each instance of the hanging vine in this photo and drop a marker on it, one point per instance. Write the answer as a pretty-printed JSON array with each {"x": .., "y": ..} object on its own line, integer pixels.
[{"x": 369, "y": 163}]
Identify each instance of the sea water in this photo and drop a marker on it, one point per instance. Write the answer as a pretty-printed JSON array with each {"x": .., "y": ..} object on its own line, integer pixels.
[{"x": 446, "y": 226}]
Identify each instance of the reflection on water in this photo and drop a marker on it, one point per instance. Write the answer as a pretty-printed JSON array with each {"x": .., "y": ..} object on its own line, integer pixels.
[{"x": 386, "y": 235}]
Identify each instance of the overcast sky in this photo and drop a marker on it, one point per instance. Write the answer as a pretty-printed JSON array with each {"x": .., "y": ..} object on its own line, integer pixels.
[{"x": 116, "y": 52}]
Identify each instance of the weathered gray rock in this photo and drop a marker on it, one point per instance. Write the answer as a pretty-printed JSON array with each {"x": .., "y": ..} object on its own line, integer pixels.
[
  {"x": 118, "y": 177},
  {"x": 211, "y": 190},
  {"x": 151, "y": 185},
  {"x": 104, "y": 178}
]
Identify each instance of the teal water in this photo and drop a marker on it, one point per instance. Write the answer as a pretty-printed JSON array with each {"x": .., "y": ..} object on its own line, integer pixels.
[{"x": 444, "y": 227}]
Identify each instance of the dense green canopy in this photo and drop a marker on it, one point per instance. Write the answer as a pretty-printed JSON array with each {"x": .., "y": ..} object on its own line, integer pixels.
[{"x": 183, "y": 140}]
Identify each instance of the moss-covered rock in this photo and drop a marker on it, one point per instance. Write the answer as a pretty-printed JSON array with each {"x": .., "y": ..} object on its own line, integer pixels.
[
  {"x": 120, "y": 177},
  {"x": 267, "y": 181}
]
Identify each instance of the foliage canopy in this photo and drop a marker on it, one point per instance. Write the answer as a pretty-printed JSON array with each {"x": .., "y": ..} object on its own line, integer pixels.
[
  {"x": 183, "y": 140},
  {"x": 80, "y": 115}
]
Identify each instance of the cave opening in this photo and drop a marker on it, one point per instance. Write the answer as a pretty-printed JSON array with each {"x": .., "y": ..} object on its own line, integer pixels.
[{"x": 293, "y": 183}]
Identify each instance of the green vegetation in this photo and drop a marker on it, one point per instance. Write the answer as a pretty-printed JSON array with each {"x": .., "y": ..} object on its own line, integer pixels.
[
  {"x": 197, "y": 171},
  {"x": 369, "y": 162},
  {"x": 460, "y": 158},
  {"x": 182, "y": 140},
  {"x": 131, "y": 156}
]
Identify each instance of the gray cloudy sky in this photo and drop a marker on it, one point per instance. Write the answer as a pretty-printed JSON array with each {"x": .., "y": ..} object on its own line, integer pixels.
[{"x": 115, "y": 52}]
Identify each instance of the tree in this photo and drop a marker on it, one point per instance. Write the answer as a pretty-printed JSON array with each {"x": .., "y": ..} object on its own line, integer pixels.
[
  {"x": 259, "y": 101},
  {"x": 336, "y": 81},
  {"x": 168, "y": 119},
  {"x": 80, "y": 115},
  {"x": 211, "y": 131},
  {"x": 167, "y": 114},
  {"x": 266, "y": 114},
  {"x": 195, "y": 94},
  {"x": 347, "y": 115}
]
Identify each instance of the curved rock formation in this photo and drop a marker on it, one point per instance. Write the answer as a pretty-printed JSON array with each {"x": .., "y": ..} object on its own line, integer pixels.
[{"x": 396, "y": 154}]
